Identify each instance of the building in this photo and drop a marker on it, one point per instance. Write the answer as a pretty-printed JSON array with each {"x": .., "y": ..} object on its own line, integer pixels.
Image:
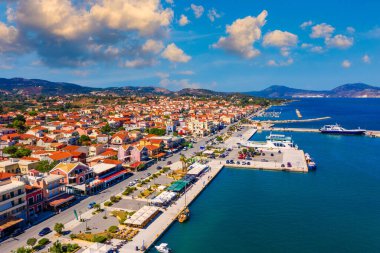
[
  {"x": 10, "y": 166},
  {"x": 34, "y": 201},
  {"x": 76, "y": 176},
  {"x": 12, "y": 204}
]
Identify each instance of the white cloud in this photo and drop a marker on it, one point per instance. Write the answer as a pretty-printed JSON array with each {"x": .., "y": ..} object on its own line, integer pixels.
[
  {"x": 346, "y": 64},
  {"x": 339, "y": 41},
  {"x": 183, "y": 20},
  {"x": 279, "y": 38},
  {"x": 162, "y": 75},
  {"x": 213, "y": 14},
  {"x": 366, "y": 59},
  {"x": 9, "y": 39},
  {"x": 274, "y": 63},
  {"x": 322, "y": 31},
  {"x": 181, "y": 83},
  {"x": 317, "y": 49},
  {"x": 312, "y": 48},
  {"x": 306, "y": 24},
  {"x": 139, "y": 63},
  {"x": 170, "y": 1},
  {"x": 186, "y": 72},
  {"x": 242, "y": 34},
  {"x": 175, "y": 54},
  {"x": 198, "y": 10},
  {"x": 350, "y": 30},
  {"x": 153, "y": 46}
]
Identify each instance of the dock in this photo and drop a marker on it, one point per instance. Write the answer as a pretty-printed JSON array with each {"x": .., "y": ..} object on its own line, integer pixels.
[
  {"x": 149, "y": 235},
  {"x": 295, "y": 120}
]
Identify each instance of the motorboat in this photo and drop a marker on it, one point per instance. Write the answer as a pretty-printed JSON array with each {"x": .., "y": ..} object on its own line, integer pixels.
[{"x": 163, "y": 248}]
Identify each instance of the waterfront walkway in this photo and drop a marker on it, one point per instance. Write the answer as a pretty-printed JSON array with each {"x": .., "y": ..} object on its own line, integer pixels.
[{"x": 149, "y": 235}]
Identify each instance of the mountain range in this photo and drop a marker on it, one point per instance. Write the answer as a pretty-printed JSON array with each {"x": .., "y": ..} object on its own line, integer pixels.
[
  {"x": 353, "y": 90},
  {"x": 23, "y": 86}
]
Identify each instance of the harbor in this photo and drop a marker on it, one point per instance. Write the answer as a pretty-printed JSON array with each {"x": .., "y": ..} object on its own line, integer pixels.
[{"x": 287, "y": 160}]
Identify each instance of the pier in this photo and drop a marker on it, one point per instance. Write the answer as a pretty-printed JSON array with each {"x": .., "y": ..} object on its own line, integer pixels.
[
  {"x": 149, "y": 235},
  {"x": 294, "y": 120}
]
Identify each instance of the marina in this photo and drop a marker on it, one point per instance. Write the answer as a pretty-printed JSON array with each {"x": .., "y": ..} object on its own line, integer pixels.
[{"x": 276, "y": 159}]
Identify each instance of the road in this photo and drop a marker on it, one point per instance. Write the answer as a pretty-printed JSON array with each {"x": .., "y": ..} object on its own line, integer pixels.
[{"x": 81, "y": 207}]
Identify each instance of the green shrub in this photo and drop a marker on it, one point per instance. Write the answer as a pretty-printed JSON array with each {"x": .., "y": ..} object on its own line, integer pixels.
[
  {"x": 43, "y": 241},
  {"x": 113, "y": 229},
  {"x": 72, "y": 247},
  {"x": 108, "y": 203},
  {"x": 113, "y": 199},
  {"x": 73, "y": 236},
  {"x": 99, "y": 238},
  {"x": 31, "y": 241}
]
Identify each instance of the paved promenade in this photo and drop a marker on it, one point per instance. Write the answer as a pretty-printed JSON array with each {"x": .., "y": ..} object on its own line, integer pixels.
[{"x": 149, "y": 235}]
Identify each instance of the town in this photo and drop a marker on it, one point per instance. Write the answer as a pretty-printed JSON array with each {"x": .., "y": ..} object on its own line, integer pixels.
[{"x": 65, "y": 160}]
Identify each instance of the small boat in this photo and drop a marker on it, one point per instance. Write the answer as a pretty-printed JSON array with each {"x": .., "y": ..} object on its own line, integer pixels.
[
  {"x": 310, "y": 163},
  {"x": 184, "y": 215},
  {"x": 337, "y": 129},
  {"x": 163, "y": 248}
]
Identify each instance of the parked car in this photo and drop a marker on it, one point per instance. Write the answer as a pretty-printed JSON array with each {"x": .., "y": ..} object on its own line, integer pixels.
[
  {"x": 289, "y": 164},
  {"x": 91, "y": 205},
  {"x": 248, "y": 163},
  {"x": 44, "y": 231},
  {"x": 159, "y": 168},
  {"x": 169, "y": 163},
  {"x": 282, "y": 165},
  {"x": 17, "y": 231},
  {"x": 148, "y": 174},
  {"x": 131, "y": 183}
]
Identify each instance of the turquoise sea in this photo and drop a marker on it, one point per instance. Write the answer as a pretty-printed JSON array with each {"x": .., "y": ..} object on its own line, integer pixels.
[{"x": 335, "y": 209}]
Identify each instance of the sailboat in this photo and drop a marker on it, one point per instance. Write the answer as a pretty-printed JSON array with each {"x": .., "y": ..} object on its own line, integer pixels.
[{"x": 185, "y": 214}]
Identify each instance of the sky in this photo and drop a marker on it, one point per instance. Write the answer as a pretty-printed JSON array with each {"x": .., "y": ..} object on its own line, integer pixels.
[{"x": 240, "y": 45}]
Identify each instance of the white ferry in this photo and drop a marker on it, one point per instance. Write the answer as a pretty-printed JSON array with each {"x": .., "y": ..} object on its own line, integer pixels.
[
  {"x": 273, "y": 141},
  {"x": 337, "y": 129}
]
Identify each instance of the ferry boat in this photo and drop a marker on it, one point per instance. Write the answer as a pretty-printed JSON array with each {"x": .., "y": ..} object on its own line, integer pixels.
[
  {"x": 337, "y": 129},
  {"x": 273, "y": 141},
  {"x": 310, "y": 163},
  {"x": 163, "y": 248}
]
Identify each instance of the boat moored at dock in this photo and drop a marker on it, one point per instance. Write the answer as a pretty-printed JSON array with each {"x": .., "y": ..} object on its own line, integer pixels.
[{"x": 273, "y": 141}]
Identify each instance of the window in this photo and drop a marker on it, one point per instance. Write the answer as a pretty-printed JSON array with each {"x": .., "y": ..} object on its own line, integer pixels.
[
  {"x": 30, "y": 201},
  {"x": 19, "y": 191},
  {"x": 12, "y": 194}
]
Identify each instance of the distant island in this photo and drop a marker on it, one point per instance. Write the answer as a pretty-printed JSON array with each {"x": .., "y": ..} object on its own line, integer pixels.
[
  {"x": 354, "y": 90},
  {"x": 21, "y": 86}
]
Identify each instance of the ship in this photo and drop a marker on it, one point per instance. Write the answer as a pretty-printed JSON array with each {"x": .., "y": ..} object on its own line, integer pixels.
[
  {"x": 273, "y": 141},
  {"x": 337, "y": 129},
  {"x": 184, "y": 215}
]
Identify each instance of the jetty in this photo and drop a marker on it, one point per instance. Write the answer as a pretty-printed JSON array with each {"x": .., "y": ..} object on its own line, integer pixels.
[
  {"x": 149, "y": 235},
  {"x": 295, "y": 120}
]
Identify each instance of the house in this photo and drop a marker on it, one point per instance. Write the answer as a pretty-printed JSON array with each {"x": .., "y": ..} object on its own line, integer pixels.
[
  {"x": 60, "y": 156},
  {"x": 12, "y": 204},
  {"x": 53, "y": 189},
  {"x": 102, "y": 138},
  {"x": 76, "y": 175},
  {"x": 96, "y": 149},
  {"x": 120, "y": 138},
  {"x": 10, "y": 166}
]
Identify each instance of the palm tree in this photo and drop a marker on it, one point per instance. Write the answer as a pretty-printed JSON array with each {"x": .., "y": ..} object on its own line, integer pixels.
[{"x": 183, "y": 159}]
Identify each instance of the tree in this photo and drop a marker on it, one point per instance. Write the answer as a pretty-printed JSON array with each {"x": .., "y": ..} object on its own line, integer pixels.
[
  {"x": 183, "y": 159},
  {"x": 58, "y": 227},
  {"x": 33, "y": 113},
  {"x": 57, "y": 247},
  {"x": 31, "y": 241},
  {"x": 24, "y": 250},
  {"x": 84, "y": 139},
  {"x": 44, "y": 166},
  {"x": 15, "y": 152},
  {"x": 106, "y": 129}
]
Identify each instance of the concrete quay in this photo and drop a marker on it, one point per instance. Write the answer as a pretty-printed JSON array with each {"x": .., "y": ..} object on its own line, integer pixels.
[{"x": 149, "y": 235}]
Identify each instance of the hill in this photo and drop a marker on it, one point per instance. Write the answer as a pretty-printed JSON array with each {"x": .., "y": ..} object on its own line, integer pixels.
[{"x": 354, "y": 90}]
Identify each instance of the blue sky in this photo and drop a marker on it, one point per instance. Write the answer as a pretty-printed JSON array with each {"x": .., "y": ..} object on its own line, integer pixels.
[{"x": 239, "y": 45}]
